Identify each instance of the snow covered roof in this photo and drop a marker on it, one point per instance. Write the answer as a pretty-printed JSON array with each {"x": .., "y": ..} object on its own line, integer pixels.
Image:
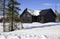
[{"x": 33, "y": 12}]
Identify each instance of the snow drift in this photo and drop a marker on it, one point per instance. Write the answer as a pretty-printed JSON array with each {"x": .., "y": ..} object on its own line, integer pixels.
[{"x": 34, "y": 31}]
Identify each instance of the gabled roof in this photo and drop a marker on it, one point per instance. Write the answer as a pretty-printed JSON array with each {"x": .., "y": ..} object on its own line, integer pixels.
[
  {"x": 46, "y": 11},
  {"x": 32, "y": 12}
]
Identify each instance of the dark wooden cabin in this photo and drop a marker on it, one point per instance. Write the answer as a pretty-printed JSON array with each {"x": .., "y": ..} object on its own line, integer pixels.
[
  {"x": 27, "y": 17},
  {"x": 47, "y": 15}
]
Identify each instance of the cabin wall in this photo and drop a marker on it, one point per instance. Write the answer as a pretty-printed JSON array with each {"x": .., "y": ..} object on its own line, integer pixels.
[
  {"x": 49, "y": 17},
  {"x": 26, "y": 18},
  {"x": 34, "y": 18}
]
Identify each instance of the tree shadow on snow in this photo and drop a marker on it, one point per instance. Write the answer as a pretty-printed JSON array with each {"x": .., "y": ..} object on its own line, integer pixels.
[{"x": 42, "y": 26}]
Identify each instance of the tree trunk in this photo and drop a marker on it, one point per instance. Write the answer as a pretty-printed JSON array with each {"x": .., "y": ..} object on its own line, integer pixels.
[
  {"x": 12, "y": 17},
  {"x": 4, "y": 15}
]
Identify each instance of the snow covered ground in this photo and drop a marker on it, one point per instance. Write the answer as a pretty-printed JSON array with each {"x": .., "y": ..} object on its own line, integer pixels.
[{"x": 34, "y": 31}]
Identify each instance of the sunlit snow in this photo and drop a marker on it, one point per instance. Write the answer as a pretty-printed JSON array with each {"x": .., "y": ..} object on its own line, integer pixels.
[{"x": 33, "y": 31}]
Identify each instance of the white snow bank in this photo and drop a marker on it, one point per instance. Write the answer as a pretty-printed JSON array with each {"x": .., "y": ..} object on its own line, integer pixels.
[
  {"x": 48, "y": 31},
  {"x": 2, "y": 37},
  {"x": 1, "y": 26},
  {"x": 35, "y": 24}
]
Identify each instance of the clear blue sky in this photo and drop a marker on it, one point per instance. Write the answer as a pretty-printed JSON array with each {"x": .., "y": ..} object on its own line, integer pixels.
[{"x": 39, "y": 4}]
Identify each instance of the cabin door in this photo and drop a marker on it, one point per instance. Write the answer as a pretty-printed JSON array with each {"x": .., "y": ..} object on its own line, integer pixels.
[{"x": 34, "y": 19}]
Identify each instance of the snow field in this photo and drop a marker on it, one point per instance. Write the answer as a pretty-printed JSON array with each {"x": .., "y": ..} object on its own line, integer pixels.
[{"x": 34, "y": 31}]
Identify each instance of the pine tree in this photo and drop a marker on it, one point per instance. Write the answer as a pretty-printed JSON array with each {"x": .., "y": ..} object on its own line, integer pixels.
[
  {"x": 13, "y": 11},
  {"x": 1, "y": 6}
]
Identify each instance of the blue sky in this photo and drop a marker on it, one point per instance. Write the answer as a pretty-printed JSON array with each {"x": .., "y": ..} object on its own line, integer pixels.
[{"x": 39, "y": 4}]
